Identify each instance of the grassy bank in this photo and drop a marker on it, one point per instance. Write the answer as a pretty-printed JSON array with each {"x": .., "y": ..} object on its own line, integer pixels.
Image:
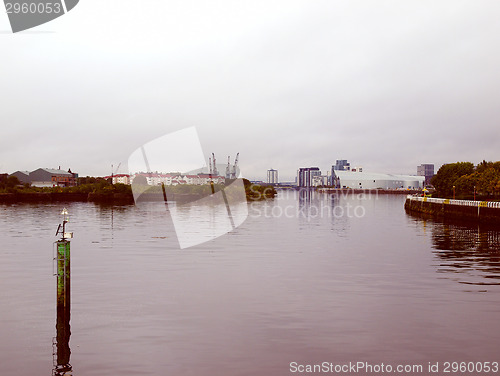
[{"x": 101, "y": 190}]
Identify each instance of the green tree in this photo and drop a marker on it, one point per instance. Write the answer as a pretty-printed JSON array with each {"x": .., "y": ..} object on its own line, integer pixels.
[
  {"x": 464, "y": 185},
  {"x": 447, "y": 176},
  {"x": 12, "y": 181},
  {"x": 488, "y": 181},
  {"x": 86, "y": 180}
]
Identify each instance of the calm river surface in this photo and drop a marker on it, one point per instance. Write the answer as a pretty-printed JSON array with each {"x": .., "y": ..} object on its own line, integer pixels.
[{"x": 304, "y": 279}]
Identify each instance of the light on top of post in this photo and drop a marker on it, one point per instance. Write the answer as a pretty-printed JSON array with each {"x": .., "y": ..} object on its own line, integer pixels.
[
  {"x": 65, "y": 235},
  {"x": 65, "y": 214}
]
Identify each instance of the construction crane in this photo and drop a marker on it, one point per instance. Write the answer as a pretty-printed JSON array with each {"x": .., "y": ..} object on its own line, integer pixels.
[{"x": 235, "y": 166}]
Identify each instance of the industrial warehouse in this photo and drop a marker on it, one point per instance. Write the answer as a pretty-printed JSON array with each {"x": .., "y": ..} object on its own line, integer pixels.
[{"x": 365, "y": 180}]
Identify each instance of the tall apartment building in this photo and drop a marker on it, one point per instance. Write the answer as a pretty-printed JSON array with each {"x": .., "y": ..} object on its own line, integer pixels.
[
  {"x": 272, "y": 176},
  {"x": 305, "y": 176}
]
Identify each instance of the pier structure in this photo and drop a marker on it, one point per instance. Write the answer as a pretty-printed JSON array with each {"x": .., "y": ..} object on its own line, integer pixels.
[{"x": 468, "y": 210}]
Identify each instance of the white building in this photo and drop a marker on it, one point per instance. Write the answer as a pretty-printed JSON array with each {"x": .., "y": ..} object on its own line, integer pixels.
[
  {"x": 365, "y": 180},
  {"x": 119, "y": 179}
]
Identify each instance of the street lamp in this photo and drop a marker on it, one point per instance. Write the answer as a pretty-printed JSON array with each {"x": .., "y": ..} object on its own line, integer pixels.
[
  {"x": 453, "y": 192},
  {"x": 474, "y": 193}
]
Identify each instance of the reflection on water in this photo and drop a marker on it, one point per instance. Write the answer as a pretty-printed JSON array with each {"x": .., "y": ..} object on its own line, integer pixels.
[
  {"x": 296, "y": 282},
  {"x": 470, "y": 252},
  {"x": 60, "y": 344},
  {"x": 198, "y": 218},
  {"x": 312, "y": 205}
]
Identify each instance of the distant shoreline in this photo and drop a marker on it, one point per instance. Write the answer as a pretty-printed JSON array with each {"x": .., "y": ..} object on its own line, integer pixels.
[
  {"x": 110, "y": 198},
  {"x": 370, "y": 191}
]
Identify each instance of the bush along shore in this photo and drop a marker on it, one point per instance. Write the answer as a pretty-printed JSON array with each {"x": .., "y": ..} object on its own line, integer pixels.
[
  {"x": 89, "y": 189},
  {"x": 102, "y": 191}
]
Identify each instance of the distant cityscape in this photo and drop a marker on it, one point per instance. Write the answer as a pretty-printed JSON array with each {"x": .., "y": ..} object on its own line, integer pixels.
[{"x": 341, "y": 175}]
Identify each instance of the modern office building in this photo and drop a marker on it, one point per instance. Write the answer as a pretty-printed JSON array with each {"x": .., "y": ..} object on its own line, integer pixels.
[
  {"x": 305, "y": 176},
  {"x": 272, "y": 176},
  {"x": 426, "y": 170},
  {"x": 364, "y": 180},
  {"x": 341, "y": 165}
]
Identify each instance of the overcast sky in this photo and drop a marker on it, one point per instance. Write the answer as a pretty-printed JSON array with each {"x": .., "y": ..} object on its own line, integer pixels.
[{"x": 385, "y": 84}]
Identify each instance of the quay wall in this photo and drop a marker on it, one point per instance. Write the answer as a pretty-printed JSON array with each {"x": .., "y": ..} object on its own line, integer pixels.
[{"x": 472, "y": 211}]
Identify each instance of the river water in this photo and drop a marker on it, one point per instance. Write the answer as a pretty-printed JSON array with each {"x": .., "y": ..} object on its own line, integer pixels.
[{"x": 307, "y": 278}]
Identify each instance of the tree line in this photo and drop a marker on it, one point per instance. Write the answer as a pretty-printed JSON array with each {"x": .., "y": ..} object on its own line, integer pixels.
[
  {"x": 86, "y": 185},
  {"x": 8, "y": 183},
  {"x": 464, "y": 180}
]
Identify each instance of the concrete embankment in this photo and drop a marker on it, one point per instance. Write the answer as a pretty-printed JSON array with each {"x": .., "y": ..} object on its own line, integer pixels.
[{"x": 472, "y": 211}]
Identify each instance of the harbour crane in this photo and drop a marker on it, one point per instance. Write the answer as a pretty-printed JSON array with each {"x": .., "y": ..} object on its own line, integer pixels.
[
  {"x": 228, "y": 168},
  {"x": 235, "y": 167},
  {"x": 215, "y": 172}
]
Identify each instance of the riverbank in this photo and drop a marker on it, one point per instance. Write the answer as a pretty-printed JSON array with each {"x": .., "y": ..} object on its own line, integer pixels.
[
  {"x": 124, "y": 196},
  {"x": 460, "y": 210}
]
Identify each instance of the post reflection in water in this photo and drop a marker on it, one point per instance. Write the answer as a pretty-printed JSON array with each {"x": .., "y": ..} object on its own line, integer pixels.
[
  {"x": 470, "y": 252},
  {"x": 60, "y": 343},
  {"x": 284, "y": 287}
]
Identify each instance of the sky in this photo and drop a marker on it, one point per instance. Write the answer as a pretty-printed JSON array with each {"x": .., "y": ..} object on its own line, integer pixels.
[{"x": 387, "y": 85}]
